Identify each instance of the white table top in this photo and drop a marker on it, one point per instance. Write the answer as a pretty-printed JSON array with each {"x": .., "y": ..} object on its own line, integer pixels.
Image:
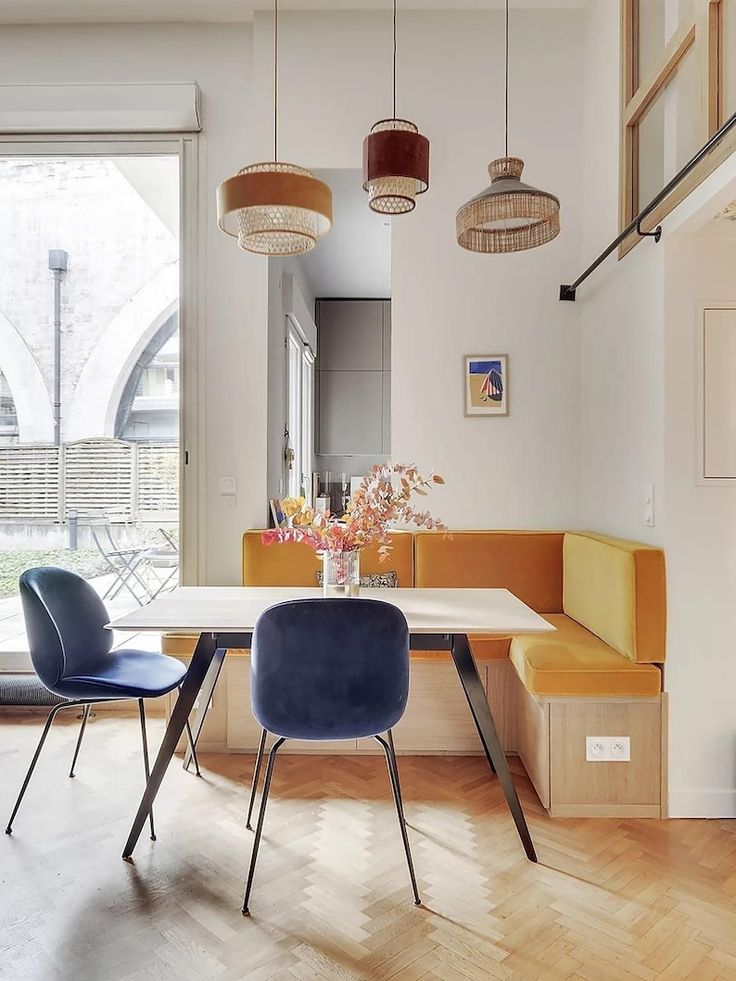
[{"x": 235, "y": 609}]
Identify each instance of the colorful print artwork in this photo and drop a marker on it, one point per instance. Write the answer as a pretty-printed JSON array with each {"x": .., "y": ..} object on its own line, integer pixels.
[{"x": 486, "y": 385}]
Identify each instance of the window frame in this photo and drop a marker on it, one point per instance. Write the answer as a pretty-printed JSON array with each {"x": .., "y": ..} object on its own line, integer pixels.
[
  {"x": 186, "y": 147},
  {"x": 299, "y": 409},
  {"x": 703, "y": 36}
]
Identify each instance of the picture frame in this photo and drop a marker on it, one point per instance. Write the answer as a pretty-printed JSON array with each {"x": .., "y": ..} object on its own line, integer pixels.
[
  {"x": 277, "y": 513},
  {"x": 486, "y": 384}
]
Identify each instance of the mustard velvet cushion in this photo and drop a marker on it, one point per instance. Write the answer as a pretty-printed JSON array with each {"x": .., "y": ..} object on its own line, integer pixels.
[
  {"x": 616, "y": 589},
  {"x": 573, "y": 661},
  {"x": 528, "y": 563},
  {"x": 296, "y": 564}
]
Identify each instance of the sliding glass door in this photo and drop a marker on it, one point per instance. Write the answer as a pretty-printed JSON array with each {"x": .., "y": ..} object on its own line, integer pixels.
[{"x": 90, "y": 369}]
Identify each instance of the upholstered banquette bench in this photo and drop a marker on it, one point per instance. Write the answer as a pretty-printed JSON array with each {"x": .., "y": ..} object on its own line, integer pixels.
[{"x": 598, "y": 675}]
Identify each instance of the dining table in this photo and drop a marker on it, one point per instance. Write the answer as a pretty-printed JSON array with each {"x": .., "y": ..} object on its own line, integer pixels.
[{"x": 224, "y": 617}]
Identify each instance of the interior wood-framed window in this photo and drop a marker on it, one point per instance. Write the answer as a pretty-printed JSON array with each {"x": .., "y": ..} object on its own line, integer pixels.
[{"x": 678, "y": 86}]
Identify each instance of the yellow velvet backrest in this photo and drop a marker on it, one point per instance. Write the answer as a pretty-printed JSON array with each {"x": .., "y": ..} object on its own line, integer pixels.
[
  {"x": 617, "y": 590},
  {"x": 528, "y": 563},
  {"x": 296, "y": 564}
]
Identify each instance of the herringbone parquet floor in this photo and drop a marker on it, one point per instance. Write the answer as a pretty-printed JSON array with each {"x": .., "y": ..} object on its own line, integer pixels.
[{"x": 610, "y": 900}]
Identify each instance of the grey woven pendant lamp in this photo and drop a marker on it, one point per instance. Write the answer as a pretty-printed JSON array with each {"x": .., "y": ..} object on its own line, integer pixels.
[{"x": 507, "y": 216}]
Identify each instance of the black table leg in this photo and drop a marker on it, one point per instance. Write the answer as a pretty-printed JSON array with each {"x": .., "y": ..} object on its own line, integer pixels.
[
  {"x": 476, "y": 696},
  {"x": 205, "y": 698},
  {"x": 204, "y": 652}
]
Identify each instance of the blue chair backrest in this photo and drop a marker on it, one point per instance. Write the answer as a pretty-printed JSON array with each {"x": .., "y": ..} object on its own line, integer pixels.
[
  {"x": 330, "y": 668},
  {"x": 65, "y": 623}
]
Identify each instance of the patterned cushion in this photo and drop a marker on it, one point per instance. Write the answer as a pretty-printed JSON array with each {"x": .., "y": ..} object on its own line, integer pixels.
[{"x": 379, "y": 580}]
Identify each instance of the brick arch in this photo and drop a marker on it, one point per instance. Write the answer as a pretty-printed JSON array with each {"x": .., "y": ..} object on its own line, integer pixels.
[
  {"x": 27, "y": 385},
  {"x": 94, "y": 407}
]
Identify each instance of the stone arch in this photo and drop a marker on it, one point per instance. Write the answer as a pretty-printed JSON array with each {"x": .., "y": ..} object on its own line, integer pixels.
[
  {"x": 94, "y": 407},
  {"x": 26, "y": 382},
  {"x": 164, "y": 333}
]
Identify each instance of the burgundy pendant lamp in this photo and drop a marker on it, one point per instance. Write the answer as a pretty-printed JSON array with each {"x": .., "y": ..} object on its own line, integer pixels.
[{"x": 395, "y": 159}]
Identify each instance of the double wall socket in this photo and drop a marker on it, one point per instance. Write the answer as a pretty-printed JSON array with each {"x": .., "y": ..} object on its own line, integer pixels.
[{"x": 616, "y": 749}]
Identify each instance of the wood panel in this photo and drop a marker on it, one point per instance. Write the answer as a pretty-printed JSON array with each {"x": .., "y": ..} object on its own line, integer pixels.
[
  {"x": 437, "y": 718},
  {"x": 533, "y": 741},
  {"x": 573, "y": 780},
  {"x": 502, "y": 689}
]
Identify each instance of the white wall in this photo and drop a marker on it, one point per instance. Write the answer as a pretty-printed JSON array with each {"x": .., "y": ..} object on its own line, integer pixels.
[
  {"x": 701, "y": 546},
  {"x": 638, "y": 412},
  {"x": 231, "y": 361},
  {"x": 621, "y": 310},
  {"x": 335, "y": 83}
]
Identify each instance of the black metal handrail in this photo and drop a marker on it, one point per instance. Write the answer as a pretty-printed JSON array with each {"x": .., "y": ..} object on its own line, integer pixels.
[{"x": 567, "y": 291}]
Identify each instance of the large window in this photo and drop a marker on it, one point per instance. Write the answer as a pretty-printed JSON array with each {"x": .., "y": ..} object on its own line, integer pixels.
[
  {"x": 299, "y": 410},
  {"x": 678, "y": 61},
  {"x": 90, "y": 366}
]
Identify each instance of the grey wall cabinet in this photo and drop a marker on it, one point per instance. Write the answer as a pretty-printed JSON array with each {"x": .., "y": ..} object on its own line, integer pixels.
[{"x": 353, "y": 377}]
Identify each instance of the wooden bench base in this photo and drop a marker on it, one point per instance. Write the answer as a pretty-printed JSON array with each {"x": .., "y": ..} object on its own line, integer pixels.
[{"x": 547, "y": 733}]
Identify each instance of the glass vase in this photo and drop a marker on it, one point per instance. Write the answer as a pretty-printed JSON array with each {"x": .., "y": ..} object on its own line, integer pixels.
[{"x": 341, "y": 573}]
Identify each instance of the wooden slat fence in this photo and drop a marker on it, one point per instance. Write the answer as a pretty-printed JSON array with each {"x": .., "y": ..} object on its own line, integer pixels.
[{"x": 97, "y": 476}]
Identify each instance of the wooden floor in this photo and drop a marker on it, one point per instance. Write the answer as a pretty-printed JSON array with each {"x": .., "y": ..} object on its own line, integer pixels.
[{"x": 610, "y": 899}]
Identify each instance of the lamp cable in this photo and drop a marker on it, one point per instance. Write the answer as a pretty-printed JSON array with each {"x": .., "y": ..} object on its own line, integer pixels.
[
  {"x": 394, "y": 59},
  {"x": 275, "y": 80},
  {"x": 507, "y": 79}
]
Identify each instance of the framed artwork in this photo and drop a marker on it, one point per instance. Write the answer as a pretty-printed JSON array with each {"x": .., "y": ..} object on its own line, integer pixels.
[
  {"x": 277, "y": 513},
  {"x": 486, "y": 385}
]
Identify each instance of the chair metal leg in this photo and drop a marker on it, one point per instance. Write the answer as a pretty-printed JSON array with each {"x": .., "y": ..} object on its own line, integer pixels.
[
  {"x": 393, "y": 773},
  {"x": 142, "y": 712},
  {"x": 394, "y": 763},
  {"x": 32, "y": 767},
  {"x": 259, "y": 827},
  {"x": 85, "y": 716},
  {"x": 256, "y": 775},
  {"x": 193, "y": 748}
]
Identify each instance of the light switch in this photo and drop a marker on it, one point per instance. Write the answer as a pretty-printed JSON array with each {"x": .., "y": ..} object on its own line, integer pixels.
[
  {"x": 228, "y": 485},
  {"x": 649, "y": 506},
  {"x": 228, "y": 501}
]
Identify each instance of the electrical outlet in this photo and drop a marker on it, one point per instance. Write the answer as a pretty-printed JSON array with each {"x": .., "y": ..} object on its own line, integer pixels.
[{"x": 608, "y": 749}]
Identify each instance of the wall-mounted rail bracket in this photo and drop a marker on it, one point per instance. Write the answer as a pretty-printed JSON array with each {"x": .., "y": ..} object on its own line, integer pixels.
[
  {"x": 656, "y": 234},
  {"x": 567, "y": 292}
]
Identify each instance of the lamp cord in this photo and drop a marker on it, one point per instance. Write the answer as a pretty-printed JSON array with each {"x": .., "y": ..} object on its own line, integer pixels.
[
  {"x": 507, "y": 78},
  {"x": 394, "y": 59},
  {"x": 275, "y": 80}
]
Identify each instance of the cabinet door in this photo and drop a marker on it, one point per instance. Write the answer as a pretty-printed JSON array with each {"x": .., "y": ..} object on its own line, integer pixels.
[
  {"x": 350, "y": 412},
  {"x": 351, "y": 335}
]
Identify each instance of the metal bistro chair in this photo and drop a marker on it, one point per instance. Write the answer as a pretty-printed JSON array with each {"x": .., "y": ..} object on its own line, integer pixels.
[
  {"x": 71, "y": 652},
  {"x": 327, "y": 669}
]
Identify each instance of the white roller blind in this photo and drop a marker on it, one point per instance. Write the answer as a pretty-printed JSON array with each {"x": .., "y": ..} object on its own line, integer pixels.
[{"x": 136, "y": 108}]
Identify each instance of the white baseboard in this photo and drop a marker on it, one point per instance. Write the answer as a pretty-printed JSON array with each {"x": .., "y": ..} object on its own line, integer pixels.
[{"x": 702, "y": 804}]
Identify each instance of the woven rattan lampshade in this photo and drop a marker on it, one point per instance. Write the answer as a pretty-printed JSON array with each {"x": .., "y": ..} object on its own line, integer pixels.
[
  {"x": 395, "y": 160},
  {"x": 508, "y": 216},
  {"x": 274, "y": 208},
  {"x": 395, "y": 166}
]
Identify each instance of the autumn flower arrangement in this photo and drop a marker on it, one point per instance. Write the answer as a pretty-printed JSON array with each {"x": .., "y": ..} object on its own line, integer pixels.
[{"x": 382, "y": 501}]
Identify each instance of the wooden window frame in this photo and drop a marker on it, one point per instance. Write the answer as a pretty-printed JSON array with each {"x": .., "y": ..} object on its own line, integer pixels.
[{"x": 704, "y": 37}]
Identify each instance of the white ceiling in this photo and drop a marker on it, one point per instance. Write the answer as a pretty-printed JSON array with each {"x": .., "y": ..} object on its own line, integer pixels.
[
  {"x": 354, "y": 260},
  {"x": 172, "y": 11}
]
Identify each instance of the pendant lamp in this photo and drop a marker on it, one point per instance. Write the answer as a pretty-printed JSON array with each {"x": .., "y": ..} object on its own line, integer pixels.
[
  {"x": 395, "y": 160},
  {"x": 274, "y": 208},
  {"x": 508, "y": 216}
]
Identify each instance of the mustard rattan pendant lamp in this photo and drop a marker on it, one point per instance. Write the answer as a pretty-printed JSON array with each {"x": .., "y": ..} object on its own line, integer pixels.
[
  {"x": 395, "y": 160},
  {"x": 274, "y": 208},
  {"x": 508, "y": 216}
]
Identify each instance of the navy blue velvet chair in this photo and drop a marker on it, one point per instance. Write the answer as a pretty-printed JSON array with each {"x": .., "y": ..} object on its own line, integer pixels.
[
  {"x": 71, "y": 652},
  {"x": 326, "y": 669}
]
